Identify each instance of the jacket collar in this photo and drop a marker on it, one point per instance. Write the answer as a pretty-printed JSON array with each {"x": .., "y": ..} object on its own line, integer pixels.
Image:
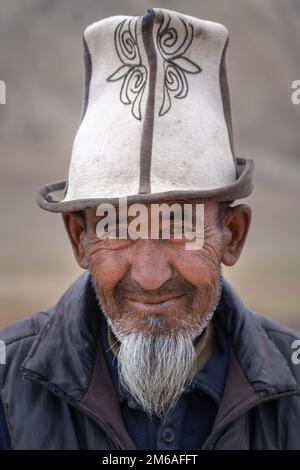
[
  {"x": 257, "y": 370},
  {"x": 67, "y": 358},
  {"x": 262, "y": 363}
]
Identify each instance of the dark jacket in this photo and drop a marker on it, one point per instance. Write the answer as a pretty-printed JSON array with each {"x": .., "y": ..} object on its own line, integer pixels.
[{"x": 57, "y": 393}]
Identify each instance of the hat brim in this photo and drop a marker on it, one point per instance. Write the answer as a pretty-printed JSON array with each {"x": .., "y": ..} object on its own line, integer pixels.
[{"x": 50, "y": 196}]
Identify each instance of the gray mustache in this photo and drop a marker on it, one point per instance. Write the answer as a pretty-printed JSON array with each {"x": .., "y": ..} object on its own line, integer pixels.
[{"x": 171, "y": 287}]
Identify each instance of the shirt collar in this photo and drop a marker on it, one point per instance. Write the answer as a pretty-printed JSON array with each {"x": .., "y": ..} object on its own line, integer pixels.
[{"x": 211, "y": 378}]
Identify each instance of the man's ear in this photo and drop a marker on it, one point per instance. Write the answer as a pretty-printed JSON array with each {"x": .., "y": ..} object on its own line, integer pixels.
[
  {"x": 236, "y": 225},
  {"x": 75, "y": 228}
]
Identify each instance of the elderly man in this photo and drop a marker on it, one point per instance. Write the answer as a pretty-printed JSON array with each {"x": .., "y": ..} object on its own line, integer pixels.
[{"x": 151, "y": 348}]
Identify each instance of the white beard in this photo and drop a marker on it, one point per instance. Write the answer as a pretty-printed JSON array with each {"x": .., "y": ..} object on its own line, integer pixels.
[{"x": 156, "y": 368}]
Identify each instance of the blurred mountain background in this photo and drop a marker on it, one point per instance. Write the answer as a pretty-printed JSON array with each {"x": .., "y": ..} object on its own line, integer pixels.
[{"x": 41, "y": 63}]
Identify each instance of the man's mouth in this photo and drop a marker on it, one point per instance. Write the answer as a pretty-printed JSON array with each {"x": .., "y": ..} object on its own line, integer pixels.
[{"x": 154, "y": 304}]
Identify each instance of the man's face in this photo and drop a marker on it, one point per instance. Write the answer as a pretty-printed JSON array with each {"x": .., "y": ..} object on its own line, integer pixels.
[
  {"x": 139, "y": 280},
  {"x": 158, "y": 297}
]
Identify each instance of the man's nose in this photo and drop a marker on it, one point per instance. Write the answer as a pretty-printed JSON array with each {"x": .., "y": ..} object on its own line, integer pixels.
[{"x": 150, "y": 267}]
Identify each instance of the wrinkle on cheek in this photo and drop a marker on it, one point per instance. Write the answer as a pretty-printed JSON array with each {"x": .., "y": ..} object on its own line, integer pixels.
[
  {"x": 107, "y": 266},
  {"x": 210, "y": 256},
  {"x": 212, "y": 248},
  {"x": 203, "y": 272},
  {"x": 202, "y": 269},
  {"x": 204, "y": 262}
]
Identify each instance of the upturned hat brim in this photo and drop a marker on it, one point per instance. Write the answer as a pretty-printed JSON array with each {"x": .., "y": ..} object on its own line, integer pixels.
[{"x": 50, "y": 197}]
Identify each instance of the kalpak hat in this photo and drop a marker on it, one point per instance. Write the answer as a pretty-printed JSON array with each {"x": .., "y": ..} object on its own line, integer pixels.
[{"x": 156, "y": 119}]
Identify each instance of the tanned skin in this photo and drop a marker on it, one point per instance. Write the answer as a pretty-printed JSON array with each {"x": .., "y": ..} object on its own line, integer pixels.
[{"x": 138, "y": 278}]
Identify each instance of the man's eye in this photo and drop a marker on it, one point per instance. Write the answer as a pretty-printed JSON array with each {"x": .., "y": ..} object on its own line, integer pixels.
[
  {"x": 171, "y": 230},
  {"x": 112, "y": 232},
  {"x": 181, "y": 230},
  {"x": 119, "y": 232}
]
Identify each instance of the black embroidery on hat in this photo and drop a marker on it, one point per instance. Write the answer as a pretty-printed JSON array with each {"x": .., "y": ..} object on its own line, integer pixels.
[
  {"x": 133, "y": 72},
  {"x": 172, "y": 48},
  {"x": 176, "y": 64}
]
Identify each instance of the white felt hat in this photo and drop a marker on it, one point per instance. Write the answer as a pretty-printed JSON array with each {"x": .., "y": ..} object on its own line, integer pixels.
[{"x": 156, "y": 121}]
